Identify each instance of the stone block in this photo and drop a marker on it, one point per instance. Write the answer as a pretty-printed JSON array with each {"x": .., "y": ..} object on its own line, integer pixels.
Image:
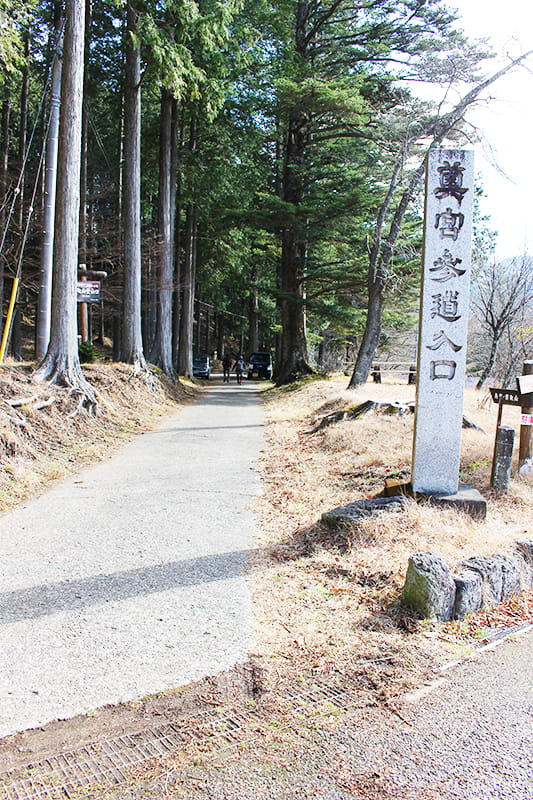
[
  {"x": 525, "y": 546},
  {"x": 526, "y": 571},
  {"x": 524, "y": 554},
  {"x": 429, "y": 588},
  {"x": 364, "y": 508},
  {"x": 490, "y": 570},
  {"x": 468, "y": 593},
  {"x": 510, "y": 570},
  {"x": 466, "y": 499}
]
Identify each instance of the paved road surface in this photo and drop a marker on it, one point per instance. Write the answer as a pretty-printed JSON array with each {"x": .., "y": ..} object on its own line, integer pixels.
[
  {"x": 131, "y": 577},
  {"x": 469, "y": 737}
]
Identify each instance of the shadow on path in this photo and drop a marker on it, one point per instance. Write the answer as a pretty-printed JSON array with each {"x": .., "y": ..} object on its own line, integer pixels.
[{"x": 40, "y": 601}]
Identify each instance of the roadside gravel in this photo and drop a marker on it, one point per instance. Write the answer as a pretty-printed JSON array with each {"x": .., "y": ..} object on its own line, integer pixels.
[
  {"x": 467, "y": 736},
  {"x": 130, "y": 578}
]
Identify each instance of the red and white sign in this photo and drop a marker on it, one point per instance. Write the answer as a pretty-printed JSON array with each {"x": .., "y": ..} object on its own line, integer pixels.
[{"x": 526, "y": 419}]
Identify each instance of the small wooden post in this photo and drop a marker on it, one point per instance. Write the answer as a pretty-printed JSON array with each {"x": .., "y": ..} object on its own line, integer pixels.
[{"x": 525, "y": 452}]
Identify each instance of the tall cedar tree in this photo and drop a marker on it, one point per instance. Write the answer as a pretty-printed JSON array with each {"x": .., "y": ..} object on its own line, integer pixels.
[{"x": 61, "y": 364}]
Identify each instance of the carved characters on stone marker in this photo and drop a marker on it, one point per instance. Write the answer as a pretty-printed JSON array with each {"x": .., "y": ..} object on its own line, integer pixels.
[
  {"x": 446, "y": 305},
  {"x": 440, "y": 339},
  {"x": 451, "y": 181},
  {"x": 449, "y": 223},
  {"x": 445, "y": 267},
  {"x": 444, "y": 370}
]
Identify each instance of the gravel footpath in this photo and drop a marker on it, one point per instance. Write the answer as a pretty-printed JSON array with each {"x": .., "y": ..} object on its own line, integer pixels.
[
  {"x": 130, "y": 578},
  {"x": 468, "y": 736}
]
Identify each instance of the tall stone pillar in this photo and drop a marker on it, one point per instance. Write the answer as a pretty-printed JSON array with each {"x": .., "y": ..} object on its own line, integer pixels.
[{"x": 443, "y": 321}]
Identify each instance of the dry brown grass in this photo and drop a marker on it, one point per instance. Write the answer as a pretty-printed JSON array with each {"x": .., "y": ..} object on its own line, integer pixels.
[
  {"x": 327, "y": 601},
  {"x": 40, "y": 446}
]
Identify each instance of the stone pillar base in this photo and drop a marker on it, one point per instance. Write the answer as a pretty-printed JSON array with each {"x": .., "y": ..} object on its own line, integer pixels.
[{"x": 467, "y": 499}]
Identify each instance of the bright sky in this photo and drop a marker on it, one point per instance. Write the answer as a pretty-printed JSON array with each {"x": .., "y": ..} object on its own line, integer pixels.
[{"x": 506, "y": 121}]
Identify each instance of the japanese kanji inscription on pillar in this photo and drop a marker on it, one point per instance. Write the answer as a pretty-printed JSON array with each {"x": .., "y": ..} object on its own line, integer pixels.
[{"x": 443, "y": 321}]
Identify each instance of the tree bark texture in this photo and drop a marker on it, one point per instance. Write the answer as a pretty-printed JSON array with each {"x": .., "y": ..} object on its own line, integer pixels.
[
  {"x": 4, "y": 164},
  {"x": 132, "y": 347},
  {"x": 187, "y": 308},
  {"x": 61, "y": 364},
  {"x": 162, "y": 351},
  {"x": 44, "y": 305}
]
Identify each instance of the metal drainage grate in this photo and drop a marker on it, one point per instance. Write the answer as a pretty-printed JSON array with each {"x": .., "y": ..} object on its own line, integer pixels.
[{"x": 108, "y": 762}]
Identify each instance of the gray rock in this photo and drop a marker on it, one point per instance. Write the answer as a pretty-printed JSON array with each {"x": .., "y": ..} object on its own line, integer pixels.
[
  {"x": 490, "y": 570},
  {"x": 525, "y": 547},
  {"x": 365, "y": 508},
  {"x": 510, "y": 569},
  {"x": 429, "y": 588},
  {"x": 468, "y": 593},
  {"x": 524, "y": 557}
]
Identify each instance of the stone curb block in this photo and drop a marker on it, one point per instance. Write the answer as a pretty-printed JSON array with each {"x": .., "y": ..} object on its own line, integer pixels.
[{"x": 433, "y": 592}]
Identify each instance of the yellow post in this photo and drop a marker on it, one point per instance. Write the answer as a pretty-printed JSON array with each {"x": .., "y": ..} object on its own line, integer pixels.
[{"x": 7, "y": 327}]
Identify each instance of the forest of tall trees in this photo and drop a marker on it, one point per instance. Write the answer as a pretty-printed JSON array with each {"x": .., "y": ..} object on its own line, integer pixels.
[{"x": 236, "y": 174}]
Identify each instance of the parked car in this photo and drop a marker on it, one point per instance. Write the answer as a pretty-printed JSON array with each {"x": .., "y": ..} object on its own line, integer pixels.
[
  {"x": 201, "y": 367},
  {"x": 260, "y": 366}
]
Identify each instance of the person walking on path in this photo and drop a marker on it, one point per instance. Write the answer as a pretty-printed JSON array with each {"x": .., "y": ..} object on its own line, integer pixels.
[
  {"x": 226, "y": 367},
  {"x": 240, "y": 367}
]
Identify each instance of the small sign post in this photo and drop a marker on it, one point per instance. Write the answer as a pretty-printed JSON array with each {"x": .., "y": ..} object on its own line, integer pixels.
[
  {"x": 521, "y": 396},
  {"x": 88, "y": 292},
  {"x": 525, "y": 384}
]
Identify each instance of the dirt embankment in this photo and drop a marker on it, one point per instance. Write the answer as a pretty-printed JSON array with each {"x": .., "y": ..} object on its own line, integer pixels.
[{"x": 44, "y": 436}]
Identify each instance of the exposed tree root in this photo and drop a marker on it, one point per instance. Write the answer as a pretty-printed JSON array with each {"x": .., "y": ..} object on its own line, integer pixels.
[
  {"x": 23, "y": 401},
  {"x": 142, "y": 370},
  {"x": 355, "y": 412},
  {"x": 35, "y": 402},
  {"x": 62, "y": 371}
]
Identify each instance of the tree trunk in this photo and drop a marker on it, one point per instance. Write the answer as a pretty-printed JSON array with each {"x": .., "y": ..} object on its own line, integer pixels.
[
  {"x": 132, "y": 347},
  {"x": 378, "y": 270},
  {"x": 187, "y": 310},
  {"x": 16, "y": 337},
  {"x": 44, "y": 305},
  {"x": 253, "y": 313},
  {"x": 162, "y": 352},
  {"x": 61, "y": 364},
  {"x": 84, "y": 310},
  {"x": 219, "y": 324},
  {"x": 370, "y": 340},
  {"x": 293, "y": 357},
  {"x": 23, "y": 133},
  {"x": 175, "y": 236},
  {"x": 490, "y": 363},
  {"x": 4, "y": 163}
]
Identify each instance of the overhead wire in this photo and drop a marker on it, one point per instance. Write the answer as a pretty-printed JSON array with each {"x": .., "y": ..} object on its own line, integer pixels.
[
  {"x": 17, "y": 189},
  {"x": 16, "y": 194}
]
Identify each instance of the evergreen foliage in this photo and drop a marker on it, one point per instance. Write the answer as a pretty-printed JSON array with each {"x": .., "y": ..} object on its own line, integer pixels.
[{"x": 293, "y": 151}]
